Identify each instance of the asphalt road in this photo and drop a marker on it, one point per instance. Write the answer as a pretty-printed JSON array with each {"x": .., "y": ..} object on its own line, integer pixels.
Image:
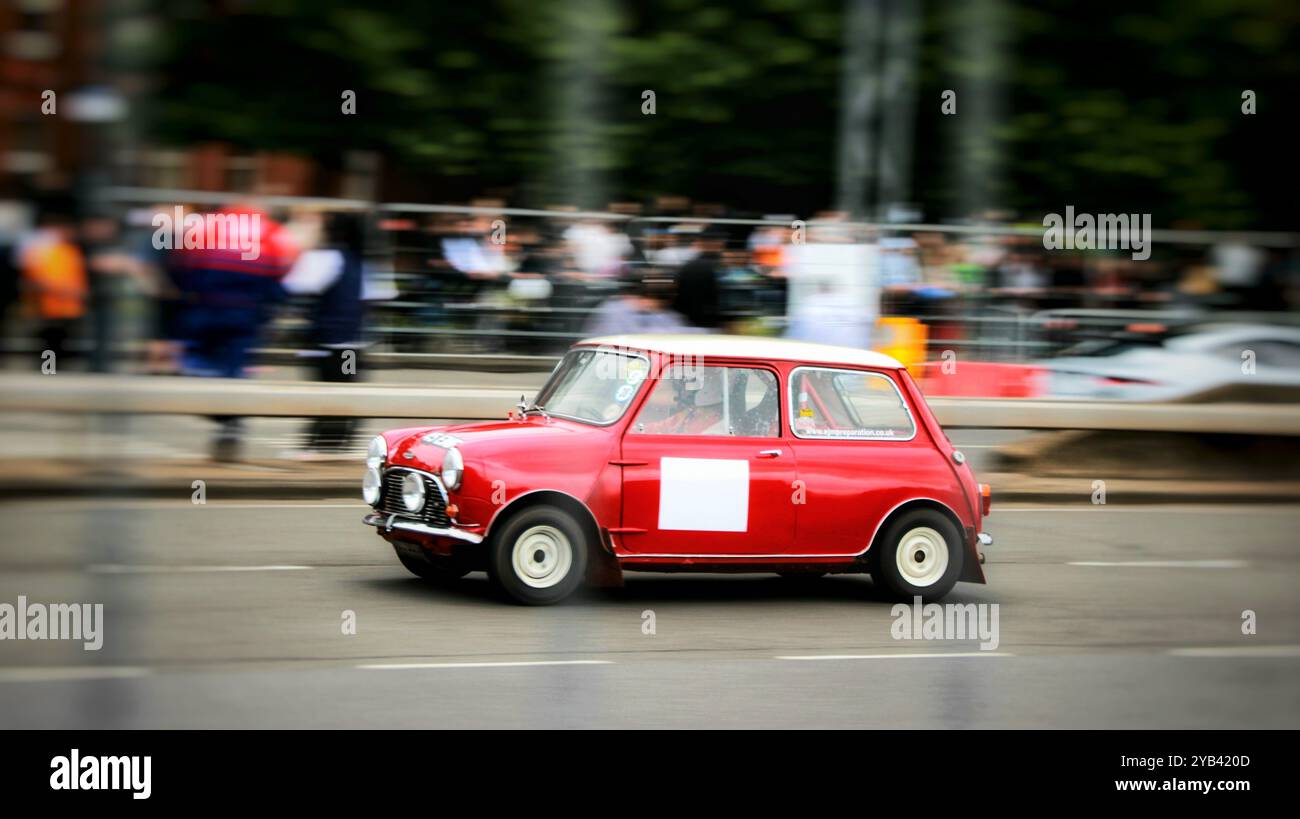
[{"x": 231, "y": 615}]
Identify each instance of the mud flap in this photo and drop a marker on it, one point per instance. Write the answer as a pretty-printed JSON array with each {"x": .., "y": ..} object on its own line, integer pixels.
[
  {"x": 971, "y": 570},
  {"x": 603, "y": 569}
]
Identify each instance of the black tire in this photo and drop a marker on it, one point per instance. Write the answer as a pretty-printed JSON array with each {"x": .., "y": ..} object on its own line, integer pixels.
[
  {"x": 913, "y": 531},
  {"x": 539, "y": 535},
  {"x": 435, "y": 570}
]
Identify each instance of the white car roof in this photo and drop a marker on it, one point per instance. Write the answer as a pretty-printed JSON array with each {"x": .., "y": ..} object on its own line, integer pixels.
[{"x": 756, "y": 347}]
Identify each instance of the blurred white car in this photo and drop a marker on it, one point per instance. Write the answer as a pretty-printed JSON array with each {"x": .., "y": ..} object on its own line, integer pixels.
[{"x": 1206, "y": 362}]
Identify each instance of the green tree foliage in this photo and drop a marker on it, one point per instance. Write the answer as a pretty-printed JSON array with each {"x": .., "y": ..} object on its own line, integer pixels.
[{"x": 1130, "y": 108}]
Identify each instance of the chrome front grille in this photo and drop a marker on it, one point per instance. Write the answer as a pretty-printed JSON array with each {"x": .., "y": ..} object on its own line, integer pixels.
[{"x": 434, "y": 512}]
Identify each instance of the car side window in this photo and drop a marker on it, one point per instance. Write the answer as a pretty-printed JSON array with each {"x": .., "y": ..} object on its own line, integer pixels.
[
  {"x": 848, "y": 404},
  {"x": 723, "y": 401}
]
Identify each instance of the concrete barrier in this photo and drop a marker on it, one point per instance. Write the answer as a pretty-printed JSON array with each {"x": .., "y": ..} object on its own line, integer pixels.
[
  {"x": 154, "y": 395},
  {"x": 145, "y": 395},
  {"x": 1031, "y": 413}
]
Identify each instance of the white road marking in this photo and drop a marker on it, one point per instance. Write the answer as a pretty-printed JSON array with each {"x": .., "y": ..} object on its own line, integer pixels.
[
  {"x": 1237, "y": 651},
  {"x": 78, "y": 673},
  {"x": 280, "y": 505},
  {"x": 406, "y": 666},
  {"x": 1162, "y": 564},
  {"x": 899, "y": 656},
  {"x": 186, "y": 504},
  {"x": 1003, "y": 510},
  {"x": 57, "y": 674},
  {"x": 118, "y": 568},
  {"x": 1149, "y": 508}
]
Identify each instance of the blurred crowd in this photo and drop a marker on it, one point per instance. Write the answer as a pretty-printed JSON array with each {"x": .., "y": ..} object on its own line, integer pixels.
[
  {"x": 96, "y": 291},
  {"x": 512, "y": 283},
  {"x": 483, "y": 281}
]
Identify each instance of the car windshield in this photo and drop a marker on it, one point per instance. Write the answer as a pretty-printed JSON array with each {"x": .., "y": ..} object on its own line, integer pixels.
[{"x": 593, "y": 386}]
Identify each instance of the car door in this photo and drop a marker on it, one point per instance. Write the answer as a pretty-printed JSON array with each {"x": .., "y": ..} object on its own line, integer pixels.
[
  {"x": 860, "y": 452},
  {"x": 706, "y": 471}
]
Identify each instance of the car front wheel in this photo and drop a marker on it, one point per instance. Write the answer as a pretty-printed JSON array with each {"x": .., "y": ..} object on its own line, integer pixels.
[
  {"x": 920, "y": 555},
  {"x": 539, "y": 556}
]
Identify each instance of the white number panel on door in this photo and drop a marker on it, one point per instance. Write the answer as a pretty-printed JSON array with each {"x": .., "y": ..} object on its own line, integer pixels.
[{"x": 703, "y": 494}]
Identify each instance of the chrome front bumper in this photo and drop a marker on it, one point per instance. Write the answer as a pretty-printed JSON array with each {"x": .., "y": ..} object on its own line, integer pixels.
[
  {"x": 984, "y": 539},
  {"x": 390, "y": 522}
]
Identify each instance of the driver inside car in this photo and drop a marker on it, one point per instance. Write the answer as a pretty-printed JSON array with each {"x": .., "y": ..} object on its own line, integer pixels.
[{"x": 682, "y": 405}]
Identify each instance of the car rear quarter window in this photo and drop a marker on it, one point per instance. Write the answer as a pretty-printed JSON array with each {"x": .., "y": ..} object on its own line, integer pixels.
[{"x": 830, "y": 403}]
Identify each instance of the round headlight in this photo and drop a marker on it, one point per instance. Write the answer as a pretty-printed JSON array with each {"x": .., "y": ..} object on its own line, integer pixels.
[
  {"x": 370, "y": 486},
  {"x": 413, "y": 492},
  {"x": 377, "y": 452},
  {"x": 453, "y": 467}
]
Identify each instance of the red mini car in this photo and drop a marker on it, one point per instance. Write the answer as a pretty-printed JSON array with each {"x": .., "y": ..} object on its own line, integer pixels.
[{"x": 689, "y": 453}]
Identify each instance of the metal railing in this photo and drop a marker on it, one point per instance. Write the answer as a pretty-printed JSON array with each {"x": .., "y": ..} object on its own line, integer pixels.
[
  {"x": 442, "y": 313},
  {"x": 145, "y": 395},
  {"x": 138, "y": 195}
]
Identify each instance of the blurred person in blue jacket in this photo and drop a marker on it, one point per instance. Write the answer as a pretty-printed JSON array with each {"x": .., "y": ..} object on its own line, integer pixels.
[
  {"x": 227, "y": 290},
  {"x": 334, "y": 274}
]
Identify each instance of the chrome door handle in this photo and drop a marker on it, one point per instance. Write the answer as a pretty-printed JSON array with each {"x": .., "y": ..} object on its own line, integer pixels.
[{"x": 769, "y": 453}]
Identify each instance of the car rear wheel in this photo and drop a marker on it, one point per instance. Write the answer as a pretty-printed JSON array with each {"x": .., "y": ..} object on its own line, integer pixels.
[
  {"x": 539, "y": 556},
  {"x": 919, "y": 555},
  {"x": 436, "y": 570}
]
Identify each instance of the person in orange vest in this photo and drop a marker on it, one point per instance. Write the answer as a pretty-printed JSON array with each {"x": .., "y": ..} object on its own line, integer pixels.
[{"x": 54, "y": 285}]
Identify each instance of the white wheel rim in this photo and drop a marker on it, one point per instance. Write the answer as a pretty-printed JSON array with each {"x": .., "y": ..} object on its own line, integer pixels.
[
  {"x": 542, "y": 557},
  {"x": 922, "y": 556}
]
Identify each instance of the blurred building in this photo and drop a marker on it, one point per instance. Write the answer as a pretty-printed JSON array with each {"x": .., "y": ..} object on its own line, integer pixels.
[
  {"x": 45, "y": 45},
  {"x": 66, "y": 112}
]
